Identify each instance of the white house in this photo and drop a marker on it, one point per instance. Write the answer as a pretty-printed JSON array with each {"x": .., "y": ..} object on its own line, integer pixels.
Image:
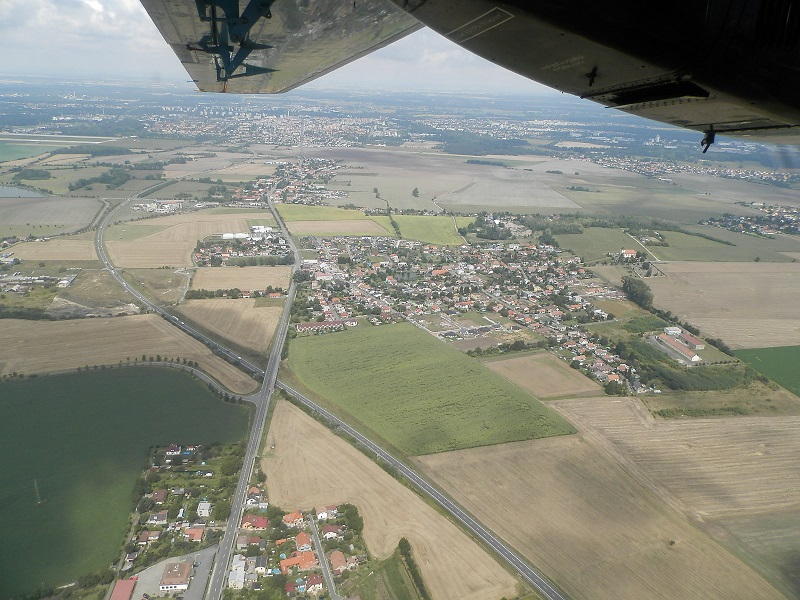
[{"x": 204, "y": 509}]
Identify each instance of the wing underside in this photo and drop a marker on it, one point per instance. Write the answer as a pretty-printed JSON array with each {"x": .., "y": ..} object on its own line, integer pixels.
[{"x": 268, "y": 46}]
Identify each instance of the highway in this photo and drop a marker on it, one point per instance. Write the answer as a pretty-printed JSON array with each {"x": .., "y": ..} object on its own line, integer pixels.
[
  {"x": 530, "y": 574},
  {"x": 262, "y": 398}
]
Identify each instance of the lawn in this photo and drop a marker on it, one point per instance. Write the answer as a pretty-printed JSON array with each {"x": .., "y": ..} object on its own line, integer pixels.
[
  {"x": 11, "y": 151},
  {"x": 416, "y": 393},
  {"x": 433, "y": 230},
  {"x": 83, "y": 439},
  {"x": 779, "y": 364}
]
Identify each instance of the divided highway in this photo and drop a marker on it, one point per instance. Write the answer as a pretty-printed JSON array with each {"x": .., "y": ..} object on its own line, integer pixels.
[{"x": 262, "y": 398}]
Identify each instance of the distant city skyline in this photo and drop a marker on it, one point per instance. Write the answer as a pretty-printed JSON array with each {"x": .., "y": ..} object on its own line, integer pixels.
[{"x": 100, "y": 40}]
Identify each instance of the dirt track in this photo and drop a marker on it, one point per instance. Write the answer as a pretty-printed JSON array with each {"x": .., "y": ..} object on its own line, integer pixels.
[{"x": 310, "y": 466}]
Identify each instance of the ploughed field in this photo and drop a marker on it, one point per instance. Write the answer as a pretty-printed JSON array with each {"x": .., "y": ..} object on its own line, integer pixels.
[
  {"x": 415, "y": 392},
  {"x": 244, "y": 278}
]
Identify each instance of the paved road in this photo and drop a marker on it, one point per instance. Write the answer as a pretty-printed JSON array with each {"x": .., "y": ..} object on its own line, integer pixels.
[
  {"x": 261, "y": 401},
  {"x": 323, "y": 560},
  {"x": 511, "y": 557}
]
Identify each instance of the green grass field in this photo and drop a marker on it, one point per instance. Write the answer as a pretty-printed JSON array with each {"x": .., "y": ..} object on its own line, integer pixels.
[
  {"x": 779, "y": 364},
  {"x": 84, "y": 438},
  {"x": 594, "y": 242},
  {"x": 415, "y": 392},
  {"x": 11, "y": 151},
  {"x": 433, "y": 230},
  {"x": 386, "y": 580}
]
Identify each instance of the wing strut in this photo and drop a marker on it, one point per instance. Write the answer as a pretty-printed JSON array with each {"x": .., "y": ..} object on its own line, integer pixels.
[{"x": 233, "y": 28}]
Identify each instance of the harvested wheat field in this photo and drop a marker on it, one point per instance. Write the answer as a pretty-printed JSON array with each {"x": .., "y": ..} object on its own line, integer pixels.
[
  {"x": 299, "y": 475},
  {"x": 238, "y": 321},
  {"x": 712, "y": 467},
  {"x": 349, "y": 227},
  {"x": 173, "y": 244},
  {"x": 748, "y": 305},
  {"x": 48, "y": 346},
  {"x": 150, "y": 255},
  {"x": 244, "y": 278},
  {"x": 544, "y": 375},
  {"x": 57, "y": 249},
  {"x": 592, "y": 529}
]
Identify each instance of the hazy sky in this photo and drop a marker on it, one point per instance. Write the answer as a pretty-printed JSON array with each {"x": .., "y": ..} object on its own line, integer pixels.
[{"x": 115, "y": 39}]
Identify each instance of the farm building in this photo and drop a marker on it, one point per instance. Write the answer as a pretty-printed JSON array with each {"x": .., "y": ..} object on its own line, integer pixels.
[
  {"x": 692, "y": 341},
  {"x": 673, "y": 344},
  {"x": 123, "y": 590}
]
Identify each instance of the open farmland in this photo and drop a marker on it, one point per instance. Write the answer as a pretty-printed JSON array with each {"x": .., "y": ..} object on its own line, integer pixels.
[
  {"x": 588, "y": 525},
  {"x": 301, "y": 212},
  {"x": 543, "y": 375},
  {"x": 28, "y": 346},
  {"x": 56, "y": 249},
  {"x": 173, "y": 240},
  {"x": 710, "y": 469},
  {"x": 415, "y": 392},
  {"x": 299, "y": 475},
  {"x": 373, "y": 226},
  {"x": 244, "y": 278},
  {"x": 45, "y": 216},
  {"x": 238, "y": 321},
  {"x": 779, "y": 364},
  {"x": 432, "y": 230},
  {"x": 595, "y": 242},
  {"x": 85, "y": 471},
  {"x": 505, "y": 188},
  {"x": 748, "y": 305}
]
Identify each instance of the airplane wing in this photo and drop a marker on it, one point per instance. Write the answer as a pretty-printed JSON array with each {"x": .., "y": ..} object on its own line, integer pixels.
[{"x": 269, "y": 46}]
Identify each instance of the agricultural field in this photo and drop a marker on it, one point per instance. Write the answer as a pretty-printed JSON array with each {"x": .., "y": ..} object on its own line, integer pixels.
[
  {"x": 175, "y": 238},
  {"x": 574, "y": 511},
  {"x": 613, "y": 274},
  {"x": 593, "y": 244},
  {"x": 244, "y": 278},
  {"x": 247, "y": 171},
  {"x": 15, "y": 151},
  {"x": 432, "y": 230},
  {"x": 415, "y": 392},
  {"x": 779, "y": 364},
  {"x": 757, "y": 398},
  {"x": 748, "y": 305},
  {"x": 238, "y": 321},
  {"x": 372, "y": 226},
  {"x": 164, "y": 286},
  {"x": 86, "y": 472},
  {"x": 501, "y": 187},
  {"x": 301, "y": 212},
  {"x": 543, "y": 375},
  {"x": 29, "y": 347},
  {"x": 297, "y": 463},
  {"x": 45, "y": 216},
  {"x": 710, "y": 469},
  {"x": 56, "y": 250},
  {"x": 204, "y": 167},
  {"x": 62, "y": 177}
]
